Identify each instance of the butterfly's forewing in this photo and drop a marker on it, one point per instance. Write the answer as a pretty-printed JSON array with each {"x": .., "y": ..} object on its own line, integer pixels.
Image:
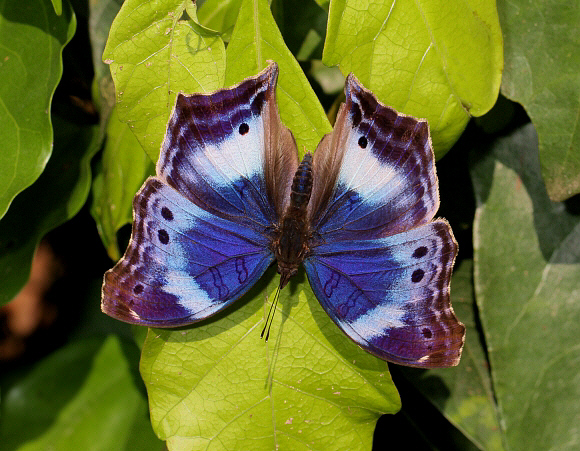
[
  {"x": 200, "y": 228},
  {"x": 374, "y": 175},
  {"x": 378, "y": 264},
  {"x": 229, "y": 153}
]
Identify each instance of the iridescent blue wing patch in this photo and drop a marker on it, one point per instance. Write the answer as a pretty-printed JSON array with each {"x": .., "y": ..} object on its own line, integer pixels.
[{"x": 391, "y": 294}]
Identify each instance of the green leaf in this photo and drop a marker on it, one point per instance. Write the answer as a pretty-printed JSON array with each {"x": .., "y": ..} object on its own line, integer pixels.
[
  {"x": 464, "y": 394},
  {"x": 438, "y": 60},
  {"x": 527, "y": 268},
  {"x": 258, "y": 39},
  {"x": 154, "y": 55},
  {"x": 84, "y": 396},
  {"x": 220, "y": 15},
  {"x": 218, "y": 384},
  {"x": 32, "y": 38},
  {"x": 57, "y": 5},
  {"x": 542, "y": 72},
  {"x": 55, "y": 197},
  {"x": 123, "y": 169}
]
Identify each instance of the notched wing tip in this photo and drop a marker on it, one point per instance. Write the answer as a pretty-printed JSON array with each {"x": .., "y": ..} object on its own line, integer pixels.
[
  {"x": 354, "y": 88},
  {"x": 269, "y": 75}
]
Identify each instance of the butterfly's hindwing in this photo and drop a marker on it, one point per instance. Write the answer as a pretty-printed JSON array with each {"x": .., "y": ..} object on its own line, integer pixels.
[
  {"x": 383, "y": 172},
  {"x": 391, "y": 295},
  {"x": 183, "y": 263}
]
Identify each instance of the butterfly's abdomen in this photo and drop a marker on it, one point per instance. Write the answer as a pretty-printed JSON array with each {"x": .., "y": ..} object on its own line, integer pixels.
[{"x": 302, "y": 184}]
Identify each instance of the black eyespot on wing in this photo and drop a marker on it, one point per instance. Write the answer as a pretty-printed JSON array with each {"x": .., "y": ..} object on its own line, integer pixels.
[
  {"x": 420, "y": 252},
  {"x": 417, "y": 275},
  {"x": 362, "y": 142},
  {"x": 244, "y": 128},
  {"x": 138, "y": 289},
  {"x": 427, "y": 333},
  {"x": 163, "y": 236},
  {"x": 167, "y": 214}
]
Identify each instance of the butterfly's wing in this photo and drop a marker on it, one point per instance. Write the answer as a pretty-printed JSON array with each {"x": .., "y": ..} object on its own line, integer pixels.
[
  {"x": 201, "y": 226},
  {"x": 374, "y": 175},
  {"x": 391, "y": 294},
  {"x": 378, "y": 263},
  {"x": 183, "y": 263},
  {"x": 228, "y": 152}
]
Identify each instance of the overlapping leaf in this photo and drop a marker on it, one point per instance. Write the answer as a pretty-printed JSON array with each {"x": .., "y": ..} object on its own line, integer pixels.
[
  {"x": 32, "y": 37},
  {"x": 438, "y": 60},
  {"x": 309, "y": 387},
  {"x": 542, "y": 72},
  {"x": 83, "y": 396},
  {"x": 527, "y": 268},
  {"x": 154, "y": 54},
  {"x": 258, "y": 39}
]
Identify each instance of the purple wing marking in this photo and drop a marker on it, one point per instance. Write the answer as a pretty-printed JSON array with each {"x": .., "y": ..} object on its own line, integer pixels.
[
  {"x": 391, "y": 295},
  {"x": 183, "y": 263},
  {"x": 386, "y": 180}
]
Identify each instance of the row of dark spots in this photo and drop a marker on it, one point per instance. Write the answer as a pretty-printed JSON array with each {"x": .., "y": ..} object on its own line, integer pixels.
[
  {"x": 418, "y": 274},
  {"x": 416, "y": 277},
  {"x": 162, "y": 233},
  {"x": 163, "y": 238}
]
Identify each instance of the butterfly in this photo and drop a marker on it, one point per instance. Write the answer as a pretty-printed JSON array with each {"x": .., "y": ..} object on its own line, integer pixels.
[{"x": 230, "y": 197}]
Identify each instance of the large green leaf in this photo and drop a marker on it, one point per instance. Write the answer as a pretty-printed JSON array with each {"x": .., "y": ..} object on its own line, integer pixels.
[
  {"x": 464, "y": 394},
  {"x": 84, "y": 396},
  {"x": 32, "y": 37},
  {"x": 154, "y": 54},
  {"x": 542, "y": 72},
  {"x": 219, "y": 386},
  {"x": 123, "y": 169},
  {"x": 54, "y": 198},
  {"x": 255, "y": 40},
  {"x": 527, "y": 268},
  {"x": 439, "y": 60}
]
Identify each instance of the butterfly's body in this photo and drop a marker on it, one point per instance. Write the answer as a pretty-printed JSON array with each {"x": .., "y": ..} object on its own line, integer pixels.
[
  {"x": 230, "y": 197},
  {"x": 290, "y": 242}
]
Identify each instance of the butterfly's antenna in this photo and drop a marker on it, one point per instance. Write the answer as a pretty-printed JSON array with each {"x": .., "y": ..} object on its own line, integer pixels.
[{"x": 270, "y": 314}]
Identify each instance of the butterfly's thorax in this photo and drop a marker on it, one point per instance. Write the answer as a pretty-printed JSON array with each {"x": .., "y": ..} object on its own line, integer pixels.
[{"x": 290, "y": 244}]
